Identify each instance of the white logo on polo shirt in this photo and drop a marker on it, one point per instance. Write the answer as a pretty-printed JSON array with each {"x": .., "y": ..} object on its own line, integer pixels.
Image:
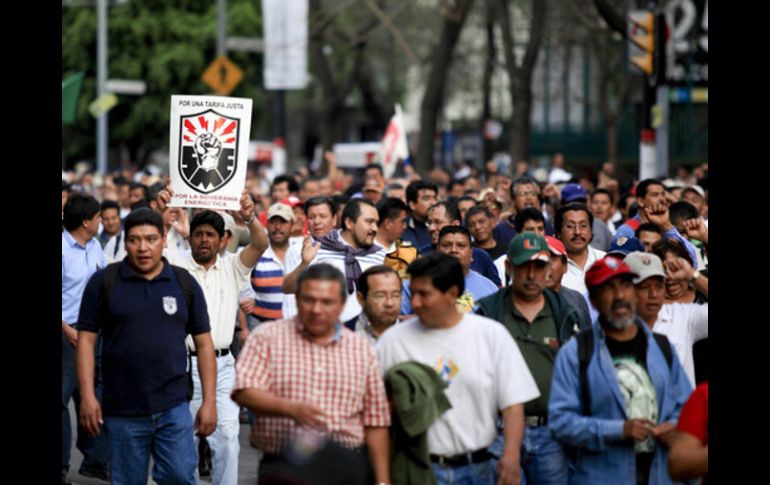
[{"x": 169, "y": 304}]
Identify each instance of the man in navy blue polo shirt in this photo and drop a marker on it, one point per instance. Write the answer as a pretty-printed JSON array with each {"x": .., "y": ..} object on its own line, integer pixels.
[{"x": 144, "y": 325}]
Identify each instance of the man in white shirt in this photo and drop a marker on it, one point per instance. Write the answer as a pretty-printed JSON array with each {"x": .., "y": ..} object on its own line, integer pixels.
[
  {"x": 683, "y": 323},
  {"x": 481, "y": 363},
  {"x": 222, "y": 279},
  {"x": 572, "y": 224}
]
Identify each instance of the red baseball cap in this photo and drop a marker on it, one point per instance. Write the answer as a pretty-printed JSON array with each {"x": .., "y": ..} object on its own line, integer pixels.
[
  {"x": 605, "y": 269},
  {"x": 556, "y": 246},
  {"x": 292, "y": 201}
]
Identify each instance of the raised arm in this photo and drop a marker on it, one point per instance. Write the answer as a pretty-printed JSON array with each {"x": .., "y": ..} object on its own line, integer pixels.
[{"x": 258, "y": 241}]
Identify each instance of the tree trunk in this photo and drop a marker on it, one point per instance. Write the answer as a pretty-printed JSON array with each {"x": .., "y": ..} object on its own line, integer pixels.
[
  {"x": 378, "y": 113},
  {"x": 489, "y": 71},
  {"x": 613, "y": 154},
  {"x": 332, "y": 92},
  {"x": 521, "y": 125},
  {"x": 520, "y": 76},
  {"x": 433, "y": 99}
]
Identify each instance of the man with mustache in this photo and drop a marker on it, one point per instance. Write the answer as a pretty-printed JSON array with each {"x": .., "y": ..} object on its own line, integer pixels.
[
  {"x": 619, "y": 417},
  {"x": 573, "y": 224},
  {"x": 352, "y": 250},
  {"x": 222, "y": 280},
  {"x": 540, "y": 321}
]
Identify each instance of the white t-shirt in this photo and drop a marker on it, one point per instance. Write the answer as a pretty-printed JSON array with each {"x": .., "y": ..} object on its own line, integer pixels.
[
  {"x": 115, "y": 249},
  {"x": 483, "y": 366},
  {"x": 575, "y": 277},
  {"x": 684, "y": 324},
  {"x": 500, "y": 266}
]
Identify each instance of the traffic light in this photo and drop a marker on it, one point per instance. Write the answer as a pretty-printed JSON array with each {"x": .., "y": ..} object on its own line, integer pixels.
[{"x": 641, "y": 36}]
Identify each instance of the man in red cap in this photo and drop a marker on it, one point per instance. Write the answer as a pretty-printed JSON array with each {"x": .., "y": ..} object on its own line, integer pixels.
[
  {"x": 553, "y": 282},
  {"x": 299, "y": 228},
  {"x": 540, "y": 321},
  {"x": 616, "y": 392}
]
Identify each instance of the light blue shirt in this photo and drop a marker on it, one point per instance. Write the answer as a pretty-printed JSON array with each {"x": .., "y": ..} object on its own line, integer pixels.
[
  {"x": 475, "y": 284},
  {"x": 605, "y": 456},
  {"x": 78, "y": 263}
]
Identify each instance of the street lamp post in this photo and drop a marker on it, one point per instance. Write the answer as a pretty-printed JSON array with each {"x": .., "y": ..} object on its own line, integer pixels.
[{"x": 101, "y": 81}]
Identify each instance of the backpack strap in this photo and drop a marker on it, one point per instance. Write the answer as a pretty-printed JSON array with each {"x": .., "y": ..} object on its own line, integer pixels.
[
  {"x": 117, "y": 244},
  {"x": 585, "y": 348},
  {"x": 665, "y": 347},
  {"x": 186, "y": 282},
  {"x": 108, "y": 282}
]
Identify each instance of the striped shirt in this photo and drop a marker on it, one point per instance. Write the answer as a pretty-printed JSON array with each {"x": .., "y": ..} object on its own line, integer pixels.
[
  {"x": 266, "y": 279},
  {"x": 337, "y": 259},
  {"x": 341, "y": 377}
]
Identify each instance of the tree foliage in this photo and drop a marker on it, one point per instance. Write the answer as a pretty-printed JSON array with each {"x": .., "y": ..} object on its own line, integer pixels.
[{"x": 168, "y": 44}]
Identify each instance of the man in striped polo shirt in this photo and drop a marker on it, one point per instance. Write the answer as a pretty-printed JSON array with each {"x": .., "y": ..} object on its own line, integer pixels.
[
  {"x": 352, "y": 251},
  {"x": 267, "y": 275}
]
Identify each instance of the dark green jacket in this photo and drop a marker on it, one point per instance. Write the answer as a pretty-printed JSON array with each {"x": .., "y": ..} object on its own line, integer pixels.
[
  {"x": 569, "y": 320},
  {"x": 417, "y": 393}
]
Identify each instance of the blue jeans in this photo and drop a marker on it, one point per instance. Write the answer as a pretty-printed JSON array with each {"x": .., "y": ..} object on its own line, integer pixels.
[
  {"x": 168, "y": 435},
  {"x": 542, "y": 456},
  {"x": 223, "y": 442},
  {"x": 95, "y": 450},
  {"x": 474, "y": 474},
  {"x": 253, "y": 322}
]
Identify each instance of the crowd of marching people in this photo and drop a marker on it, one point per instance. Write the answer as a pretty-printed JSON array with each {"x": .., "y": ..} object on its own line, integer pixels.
[{"x": 472, "y": 326}]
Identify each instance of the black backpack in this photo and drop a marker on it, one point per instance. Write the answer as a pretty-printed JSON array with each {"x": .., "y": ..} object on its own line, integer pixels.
[
  {"x": 185, "y": 281},
  {"x": 585, "y": 349}
]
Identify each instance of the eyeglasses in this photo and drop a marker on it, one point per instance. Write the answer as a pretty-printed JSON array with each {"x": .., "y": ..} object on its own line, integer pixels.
[
  {"x": 572, "y": 227},
  {"x": 527, "y": 193}
]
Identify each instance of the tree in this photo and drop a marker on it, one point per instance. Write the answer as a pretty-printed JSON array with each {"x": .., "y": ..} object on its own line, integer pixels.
[
  {"x": 168, "y": 45},
  {"x": 453, "y": 18},
  {"x": 520, "y": 72},
  {"x": 607, "y": 45},
  {"x": 489, "y": 71},
  {"x": 359, "y": 53}
]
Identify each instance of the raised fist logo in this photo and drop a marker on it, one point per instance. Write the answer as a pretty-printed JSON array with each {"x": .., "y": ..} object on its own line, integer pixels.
[{"x": 208, "y": 148}]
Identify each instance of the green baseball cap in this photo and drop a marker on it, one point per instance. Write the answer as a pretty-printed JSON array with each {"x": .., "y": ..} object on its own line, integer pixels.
[{"x": 528, "y": 246}]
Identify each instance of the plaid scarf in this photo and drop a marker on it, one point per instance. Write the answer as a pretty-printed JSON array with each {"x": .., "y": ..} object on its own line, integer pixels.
[{"x": 333, "y": 242}]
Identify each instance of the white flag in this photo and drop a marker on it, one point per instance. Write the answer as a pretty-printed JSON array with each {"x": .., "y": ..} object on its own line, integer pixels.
[{"x": 393, "y": 144}]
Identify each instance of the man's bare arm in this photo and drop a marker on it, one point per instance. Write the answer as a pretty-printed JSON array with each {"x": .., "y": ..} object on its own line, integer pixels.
[{"x": 378, "y": 442}]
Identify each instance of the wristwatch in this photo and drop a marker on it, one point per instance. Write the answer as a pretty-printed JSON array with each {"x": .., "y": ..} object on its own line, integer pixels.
[{"x": 695, "y": 275}]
